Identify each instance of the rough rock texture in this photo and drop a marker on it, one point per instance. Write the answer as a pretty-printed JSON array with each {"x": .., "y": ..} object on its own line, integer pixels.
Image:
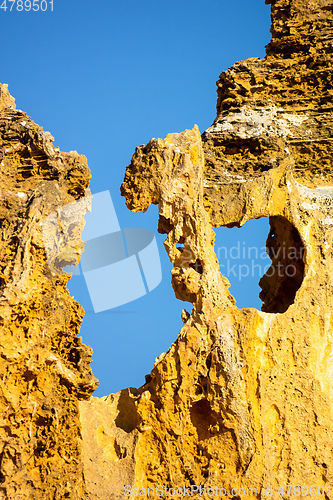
[
  {"x": 243, "y": 398},
  {"x": 44, "y": 367}
]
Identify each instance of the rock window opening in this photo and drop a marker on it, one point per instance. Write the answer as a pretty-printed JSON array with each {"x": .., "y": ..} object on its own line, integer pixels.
[{"x": 265, "y": 272}]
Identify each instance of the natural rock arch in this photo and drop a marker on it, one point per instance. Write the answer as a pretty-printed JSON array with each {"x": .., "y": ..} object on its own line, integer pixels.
[{"x": 243, "y": 264}]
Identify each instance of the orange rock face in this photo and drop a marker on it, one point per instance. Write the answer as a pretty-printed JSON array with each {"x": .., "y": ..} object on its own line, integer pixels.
[
  {"x": 241, "y": 404},
  {"x": 243, "y": 398},
  {"x": 44, "y": 367}
]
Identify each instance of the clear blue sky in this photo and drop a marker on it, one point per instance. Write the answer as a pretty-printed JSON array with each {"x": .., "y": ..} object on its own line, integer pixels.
[{"x": 104, "y": 77}]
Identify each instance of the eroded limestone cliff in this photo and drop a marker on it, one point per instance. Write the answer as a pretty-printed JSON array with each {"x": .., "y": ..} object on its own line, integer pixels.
[
  {"x": 44, "y": 367},
  {"x": 243, "y": 398}
]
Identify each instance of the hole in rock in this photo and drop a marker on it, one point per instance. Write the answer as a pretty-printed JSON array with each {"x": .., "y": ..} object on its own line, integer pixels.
[
  {"x": 265, "y": 272},
  {"x": 202, "y": 418},
  {"x": 197, "y": 266}
]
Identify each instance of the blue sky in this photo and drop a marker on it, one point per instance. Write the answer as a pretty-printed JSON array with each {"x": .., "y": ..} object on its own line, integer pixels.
[{"x": 104, "y": 77}]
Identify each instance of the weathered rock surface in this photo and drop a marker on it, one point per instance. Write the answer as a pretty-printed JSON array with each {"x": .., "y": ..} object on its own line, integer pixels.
[
  {"x": 44, "y": 367},
  {"x": 243, "y": 398}
]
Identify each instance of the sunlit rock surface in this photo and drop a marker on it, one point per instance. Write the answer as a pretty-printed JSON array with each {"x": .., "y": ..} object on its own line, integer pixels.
[
  {"x": 243, "y": 398},
  {"x": 44, "y": 367}
]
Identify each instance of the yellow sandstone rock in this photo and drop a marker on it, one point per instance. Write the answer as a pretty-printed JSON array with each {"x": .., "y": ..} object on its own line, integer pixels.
[
  {"x": 44, "y": 367},
  {"x": 241, "y": 404},
  {"x": 243, "y": 398}
]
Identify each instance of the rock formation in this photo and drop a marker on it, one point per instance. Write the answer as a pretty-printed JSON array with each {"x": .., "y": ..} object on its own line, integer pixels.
[
  {"x": 44, "y": 367},
  {"x": 241, "y": 404},
  {"x": 243, "y": 399}
]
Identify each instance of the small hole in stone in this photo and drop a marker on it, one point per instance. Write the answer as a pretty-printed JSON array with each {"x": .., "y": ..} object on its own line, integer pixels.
[
  {"x": 164, "y": 225},
  {"x": 197, "y": 266},
  {"x": 246, "y": 256}
]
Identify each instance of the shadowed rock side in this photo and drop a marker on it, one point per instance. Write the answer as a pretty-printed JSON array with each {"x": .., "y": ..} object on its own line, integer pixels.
[
  {"x": 44, "y": 367},
  {"x": 243, "y": 398}
]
